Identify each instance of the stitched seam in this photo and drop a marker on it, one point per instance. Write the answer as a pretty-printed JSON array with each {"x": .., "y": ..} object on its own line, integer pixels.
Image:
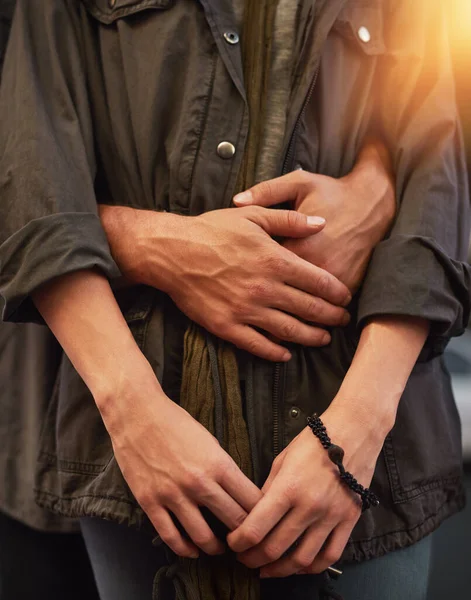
[
  {"x": 391, "y": 467},
  {"x": 72, "y": 466},
  {"x": 204, "y": 119},
  {"x": 234, "y": 163},
  {"x": 213, "y": 21},
  {"x": 110, "y": 17},
  {"x": 410, "y": 495},
  {"x": 92, "y": 496},
  {"x": 396, "y": 531}
]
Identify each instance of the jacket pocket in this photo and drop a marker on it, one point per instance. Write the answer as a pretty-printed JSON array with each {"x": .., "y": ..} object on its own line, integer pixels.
[
  {"x": 423, "y": 450},
  {"x": 109, "y": 11},
  {"x": 74, "y": 439}
]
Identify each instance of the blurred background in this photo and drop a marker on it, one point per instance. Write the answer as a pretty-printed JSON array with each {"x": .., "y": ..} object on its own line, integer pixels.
[{"x": 451, "y": 572}]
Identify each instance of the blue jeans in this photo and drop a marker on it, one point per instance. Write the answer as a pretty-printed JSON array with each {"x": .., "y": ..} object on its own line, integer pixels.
[{"x": 125, "y": 562}]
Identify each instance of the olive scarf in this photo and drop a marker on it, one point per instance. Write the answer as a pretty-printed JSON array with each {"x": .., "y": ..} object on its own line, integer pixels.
[{"x": 210, "y": 386}]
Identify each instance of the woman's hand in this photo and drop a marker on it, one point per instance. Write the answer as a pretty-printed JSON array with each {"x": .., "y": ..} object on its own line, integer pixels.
[
  {"x": 359, "y": 210},
  {"x": 226, "y": 273},
  {"x": 306, "y": 502},
  {"x": 303, "y": 495},
  {"x": 170, "y": 461},
  {"x": 173, "y": 465}
]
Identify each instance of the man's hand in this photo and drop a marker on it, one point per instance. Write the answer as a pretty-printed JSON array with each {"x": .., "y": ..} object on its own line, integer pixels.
[
  {"x": 225, "y": 272},
  {"x": 359, "y": 209}
]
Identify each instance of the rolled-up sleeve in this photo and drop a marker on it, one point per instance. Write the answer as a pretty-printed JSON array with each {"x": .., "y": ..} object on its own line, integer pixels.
[
  {"x": 49, "y": 224},
  {"x": 420, "y": 269}
]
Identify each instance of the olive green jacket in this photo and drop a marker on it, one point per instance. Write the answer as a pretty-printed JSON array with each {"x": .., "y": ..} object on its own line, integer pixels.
[{"x": 131, "y": 100}]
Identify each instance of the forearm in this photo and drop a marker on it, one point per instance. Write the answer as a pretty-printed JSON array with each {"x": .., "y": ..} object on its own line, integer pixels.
[
  {"x": 137, "y": 240},
  {"x": 388, "y": 350},
  {"x": 83, "y": 314}
]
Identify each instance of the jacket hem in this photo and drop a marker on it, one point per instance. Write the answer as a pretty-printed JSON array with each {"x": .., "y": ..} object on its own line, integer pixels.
[{"x": 377, "y": 546}]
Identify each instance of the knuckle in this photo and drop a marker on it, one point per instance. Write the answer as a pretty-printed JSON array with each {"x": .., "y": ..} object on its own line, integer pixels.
[
  {"x": 289, "y": 330},
  {"x": 253, "y": 346},
  {"x": 292, "y": 218},
  {"x": 219, "y": 323},
  {"x": 239, "y": 309},
  {"x": 146, "y": 498},
  {"x": 258, "y": 290},
  {"x": 353, "y": 514},
  {"x": 330, "y": 557},
  {"x": 238, "y": 519},
  {"x": 263, "y": 190},
  {"x": 302, "y": 561},
  {"x": 169, "y": 495},
  {"x": 313, "y": 501},
  {"x": 318, "y": 336},
  {"x": 272, "y": 552},
  {"x": 173, "y": 541},
  {"x": 196, "y": 482},
  {"x": 306, "y": 178},
  {"x": 313, "y": 308},
  {"x": 335, "y": 515},
  {"x": 323, "y": 283},
  {"x": 291, "y": 490},
  {"x": 274, "y": 262},
  {"x": 318, "y": 567},
  {"x": 203, "y": 539},
  {"x": 252, "y": 536},
  {"x": 295, "y": 219}
]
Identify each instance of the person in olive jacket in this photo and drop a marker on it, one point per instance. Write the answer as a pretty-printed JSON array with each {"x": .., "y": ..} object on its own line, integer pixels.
[
  {"x": 169, "y": 109},
  {"x": 29, "y": 360}
]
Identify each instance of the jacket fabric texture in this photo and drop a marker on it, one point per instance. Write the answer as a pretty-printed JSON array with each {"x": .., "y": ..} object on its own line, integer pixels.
[
  {"x": 29, "y": 360},
  {"x": 129, "y": 100}
]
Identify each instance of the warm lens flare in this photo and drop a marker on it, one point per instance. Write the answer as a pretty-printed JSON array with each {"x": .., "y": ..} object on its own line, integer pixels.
[
  {"x": 460, "y": 28},
  {"x": 460, "y": 39}
]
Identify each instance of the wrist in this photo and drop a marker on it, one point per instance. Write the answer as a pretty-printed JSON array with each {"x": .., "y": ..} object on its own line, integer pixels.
[
  {"x": 373, "y": 179},
  {"x": 369, "y": 416},
  {"x": 156, "y": 237},
  {"x": 119, "y": 393},
  {"x": 361, "y": 443},
  {"x": 121, "y": 226},
  {"x": 372, "y": 389}
]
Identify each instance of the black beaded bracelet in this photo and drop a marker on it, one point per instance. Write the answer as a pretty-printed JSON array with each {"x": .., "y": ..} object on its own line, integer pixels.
[{"x": 336, "y": 454}]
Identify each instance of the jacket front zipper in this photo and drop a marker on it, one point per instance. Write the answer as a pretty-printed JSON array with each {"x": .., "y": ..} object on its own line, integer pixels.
[{"x": 278, "y": 399}]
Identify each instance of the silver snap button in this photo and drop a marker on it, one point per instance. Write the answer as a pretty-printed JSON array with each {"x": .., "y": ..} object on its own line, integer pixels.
[
  {"x": 294, "y": 412},
  {"x": 226, "y": 150},
  {"x": 364, "y": 35},
  {"x": 231, "y": 37}
]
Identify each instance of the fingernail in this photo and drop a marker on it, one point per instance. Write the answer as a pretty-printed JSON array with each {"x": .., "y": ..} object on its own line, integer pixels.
[
  {"x": 346, "y": 319},
  {"x": 263, "y": 575},
  {"x": 315, "y": 221},
  {"x": 286, "y": 357},
  {"x": 326, "y": 339},
  {"x": 243, "y": 198},
  {"x": 194, "y": 555}
]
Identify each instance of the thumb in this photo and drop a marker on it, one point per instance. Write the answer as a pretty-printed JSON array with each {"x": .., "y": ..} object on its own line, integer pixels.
[
  {"x": 286, "y": 223},
  {"x": 272, "y": 192}
]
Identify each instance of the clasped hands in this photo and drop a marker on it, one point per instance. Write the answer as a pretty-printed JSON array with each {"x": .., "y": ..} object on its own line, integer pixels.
[{"x": 227, "y": 273}]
